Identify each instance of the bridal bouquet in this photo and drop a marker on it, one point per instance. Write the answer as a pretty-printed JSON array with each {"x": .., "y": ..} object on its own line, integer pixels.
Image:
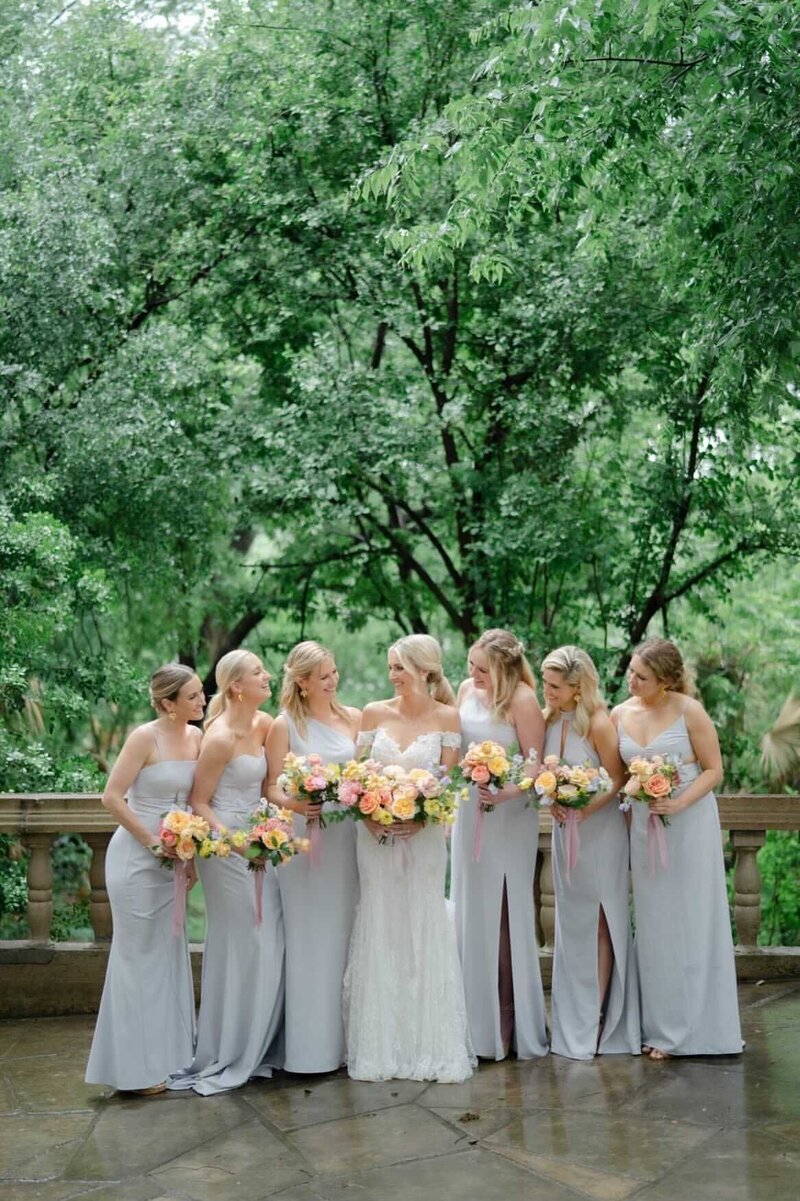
[
  {"x": 649, "y": 780},
  {"x": 270, "y": 839},
  {"x": 491, "y": 765},
  {"x": 387, "y": 794}
]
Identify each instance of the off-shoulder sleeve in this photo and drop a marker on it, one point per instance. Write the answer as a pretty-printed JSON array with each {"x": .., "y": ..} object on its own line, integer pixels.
[
  {"x": 451, "y": 739},
  {"x": 365, "y": 739}
]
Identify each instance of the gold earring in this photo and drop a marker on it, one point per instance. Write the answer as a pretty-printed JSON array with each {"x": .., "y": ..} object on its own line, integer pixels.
[
  {"x": 240, "y": 697},
  {"x": 303, "y": 693},
  {"x": 171, "y": 716}
]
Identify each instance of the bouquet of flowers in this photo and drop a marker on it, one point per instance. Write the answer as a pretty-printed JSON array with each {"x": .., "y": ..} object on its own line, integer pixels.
[
  {"x": 491, "y": 765},
  {"x": 308, "y": 778},
  {"x": 572, "y": 786},
  {"x": 387, "y": 794},
  {"x": 269, "y": 839},
  {"x": 181, "y": 837},
  {"x": 649, "y": 780}
]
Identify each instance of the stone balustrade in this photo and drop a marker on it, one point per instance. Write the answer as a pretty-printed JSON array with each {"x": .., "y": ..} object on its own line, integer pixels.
[{"x": 38, "y": 818}]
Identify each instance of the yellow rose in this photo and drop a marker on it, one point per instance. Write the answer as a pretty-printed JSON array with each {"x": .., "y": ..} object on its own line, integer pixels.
[
  {"x": 433, "y": 808},
  {"x": 640, "y": 767},
  {"x": 206, "y": 848},
  {"x": 579, "y": 778},
  {"x": 403, "y": 807},
  {"x": 498, "y": 765},
  {"x": 546, "y": 782},
  {"x": 239, "y": 839},
  {"x": 275, "y": 839}
]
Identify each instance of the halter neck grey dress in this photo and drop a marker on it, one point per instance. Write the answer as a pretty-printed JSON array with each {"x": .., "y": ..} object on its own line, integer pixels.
[
  {"x": 145, "y": 1026},
  {"x": 684, "y": 948},
  {"x": 319, "y": 903},
  {"x": 241, "y": 1006},
  {"x": 598, "y": 881},
  {"x": 509, "y": 848}
]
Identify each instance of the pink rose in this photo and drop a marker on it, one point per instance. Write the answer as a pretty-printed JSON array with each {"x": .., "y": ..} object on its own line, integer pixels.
[
  {"x": 481, "y": 773},
  {"x": 632, "y": 786},
  {"x": 314, "y": 783},
  {"x": 349, "y": 792}
]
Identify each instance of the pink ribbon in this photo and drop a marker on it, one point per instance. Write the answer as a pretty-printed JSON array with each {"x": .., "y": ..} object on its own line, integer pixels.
[
  {"x": 656, "y": 839},
  {"x": 179, "y": 904},
  {"x": 315, "y": 836},
  {"x": 259, "y": 887},
  {"x": 476, "y": 846},
  {"x": 572, "y": 842}
]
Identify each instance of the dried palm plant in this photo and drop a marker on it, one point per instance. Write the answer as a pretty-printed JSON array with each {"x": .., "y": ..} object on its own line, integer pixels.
[{"x": 780, "y": 746}]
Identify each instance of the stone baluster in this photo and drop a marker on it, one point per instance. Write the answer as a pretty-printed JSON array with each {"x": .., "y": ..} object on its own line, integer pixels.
[
  {"x": 547, "y": 898},
  {"x": 40, "y": 886},
  {"x": 747, "y": 885},
  {"x": 99, "y": 908}
]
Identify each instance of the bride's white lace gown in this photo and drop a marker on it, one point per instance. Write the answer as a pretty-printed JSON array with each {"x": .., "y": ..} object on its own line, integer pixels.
[{"x": 404, "y": 1009}]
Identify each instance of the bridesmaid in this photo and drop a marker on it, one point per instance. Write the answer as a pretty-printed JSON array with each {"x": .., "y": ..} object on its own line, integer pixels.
[
  {"x": 241, "y": 1005},
  {"x": 594, "y": 996},
  {"x": 494, "y": 897},
  {"x": 145, "y": 1026},
  {"x": 319, "y": 899},
  {"x": 684, "y": 949}
]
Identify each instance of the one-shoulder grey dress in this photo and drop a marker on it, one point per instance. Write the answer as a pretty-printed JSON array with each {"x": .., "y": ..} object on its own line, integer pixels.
[
  {"x": 319, "y": 904},
  {"x": 239, "y": 1032},
  {"x": 145, "y": 1026},
  {"x": 684, "y": 947},
  {"x": 599, "y": 880}
]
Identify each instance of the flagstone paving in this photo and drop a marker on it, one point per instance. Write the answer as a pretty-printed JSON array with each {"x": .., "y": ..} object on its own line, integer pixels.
[{"x": 544, "y": 1130}]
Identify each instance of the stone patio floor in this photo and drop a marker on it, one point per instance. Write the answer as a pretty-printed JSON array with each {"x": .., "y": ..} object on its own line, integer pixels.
[{"x": 547, "y": 1129}]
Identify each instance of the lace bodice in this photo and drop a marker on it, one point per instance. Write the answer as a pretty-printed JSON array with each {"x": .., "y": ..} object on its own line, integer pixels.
[{"x": 423, "y": 751}]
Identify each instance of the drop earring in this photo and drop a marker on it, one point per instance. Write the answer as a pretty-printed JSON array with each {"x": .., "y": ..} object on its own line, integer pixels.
[
  {"x": 304, "y": 693},
  {"x": 171, "y": 716}
]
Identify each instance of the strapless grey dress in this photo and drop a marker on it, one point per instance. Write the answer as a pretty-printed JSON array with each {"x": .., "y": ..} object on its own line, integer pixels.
[{"x": 239, "y": 1031}]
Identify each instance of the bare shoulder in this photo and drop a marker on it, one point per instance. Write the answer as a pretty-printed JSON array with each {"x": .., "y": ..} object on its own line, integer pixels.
[
  {"x": 143, "y": 738},
  {"x": 218, "y": 742},
  {"x": 464, "y": 689},
  {"x": 524, "y": 698},
  {"x": 353, "y": 713},
  {"x": 372, "y": 714},
  {"x": 263, "y": 723},
  {"x": 279, "y": 725},
  {"x": 599, "y": 721},
  {"x": 694, "y": 712},
  {"x": 448, "y": 718}
]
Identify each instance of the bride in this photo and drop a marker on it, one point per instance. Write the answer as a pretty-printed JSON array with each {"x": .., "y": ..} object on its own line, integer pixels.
[{"x": 404, "y": 1009}]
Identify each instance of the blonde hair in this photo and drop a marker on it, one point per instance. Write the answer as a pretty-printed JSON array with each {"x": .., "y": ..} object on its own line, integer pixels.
[
  {"x": 422, "y": 654},
  {"x": 508, "y": 667},
  {"x": 300, "y": 662},
  {"x": 166, "y": 683},
  {"x": 230, "y": 668},
  {"x": 577, "y": 670},
  {"x": 665, "y": 661}
]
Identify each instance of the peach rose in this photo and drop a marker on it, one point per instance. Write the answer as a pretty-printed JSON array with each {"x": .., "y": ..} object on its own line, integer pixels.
[
  {"x": 657, "y": 786},
  {"x": 481, "y": 774},
  {"x": 546, "y": 782},
  {"x": 403, "y": 808},
  {"x": 368, "y": 803}
]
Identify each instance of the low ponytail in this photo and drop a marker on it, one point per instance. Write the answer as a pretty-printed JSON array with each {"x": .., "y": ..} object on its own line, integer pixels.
[{"x": 230, "y": 668}]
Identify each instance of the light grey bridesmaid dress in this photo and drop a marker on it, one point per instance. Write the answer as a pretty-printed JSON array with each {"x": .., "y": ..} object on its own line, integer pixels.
[
  {"x": 239, "y": 1032},
  {"x": 145, "y": 1025},
  {"x": 598, "y": 880},
  {"x": 509, "y": 848},
  {"x": 319, "y": 903},
  {"x": 684, "y": 948}
]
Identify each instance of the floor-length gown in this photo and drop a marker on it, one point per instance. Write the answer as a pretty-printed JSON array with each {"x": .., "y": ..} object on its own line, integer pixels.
[
  {"x": 684, "y": 948},
  {"x": 319, "y": 903},
  {"x": 145, "y": 1025},
  {"x": 509, "y": 846},
  {"x": 241, "y": 1005},
  {"x": 599, "y": 880},
  {"x": 404, "y": 1008}
]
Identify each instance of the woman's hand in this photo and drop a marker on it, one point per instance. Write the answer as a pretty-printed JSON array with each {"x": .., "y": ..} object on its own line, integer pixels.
[
  {"x": 191, "y": 875},
  {"x": 667, "y": 806},
  {"x": 405, "y": 829},
  {"x": 561, "y": 813},
  {"x": 310, "y": 812},
  {"x": 509, "y": 793}
]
